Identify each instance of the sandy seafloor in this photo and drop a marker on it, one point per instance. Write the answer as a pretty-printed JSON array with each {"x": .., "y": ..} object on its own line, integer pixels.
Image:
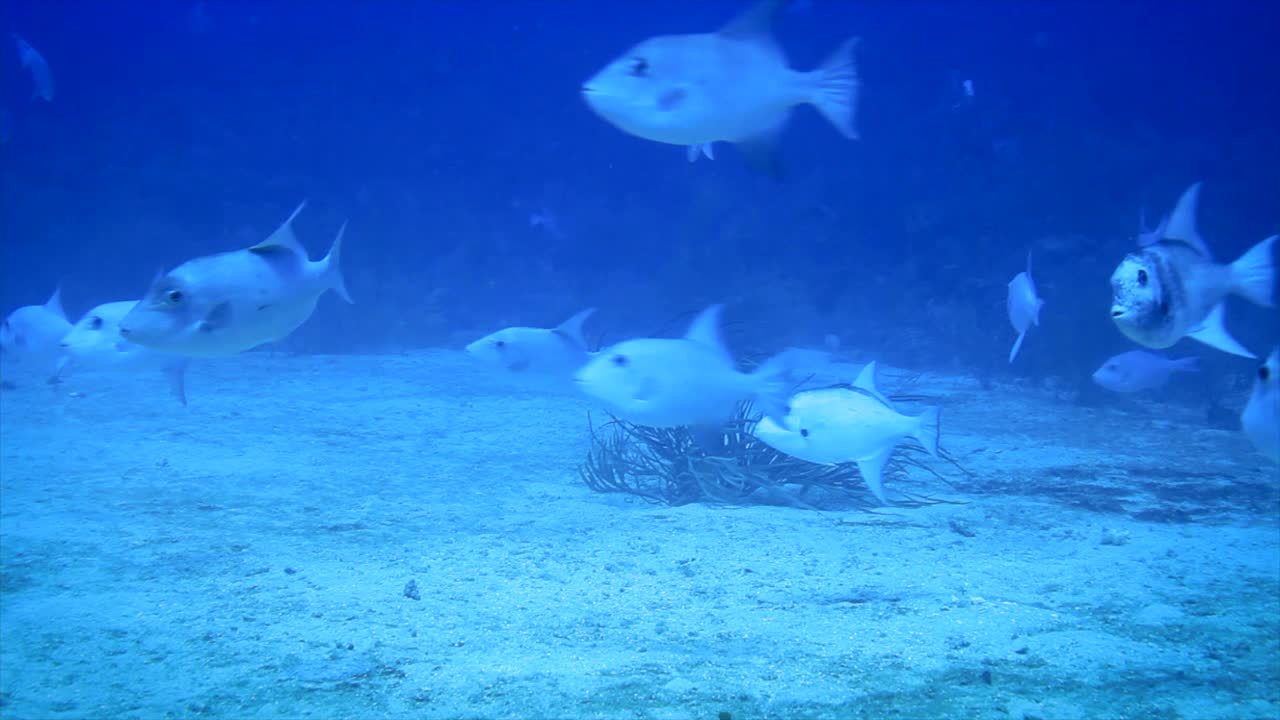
[{"x": 247, "y": 557}]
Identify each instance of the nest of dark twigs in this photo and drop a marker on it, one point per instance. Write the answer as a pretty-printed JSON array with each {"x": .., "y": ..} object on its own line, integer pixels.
[{"x": 669, "y": 466}]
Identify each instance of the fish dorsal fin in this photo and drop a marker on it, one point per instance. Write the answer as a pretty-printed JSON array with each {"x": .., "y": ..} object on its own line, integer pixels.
[
  {"x": 54, "y": 303},
  {"x": 866, "y": 382},
  {"x": 571, "y": 329},
  {"x": 755, "y": 23},
  {"x": 1182, "y": 223},
  {"x": 283, "y": 237},
  {"x": 705, "y": 330}
]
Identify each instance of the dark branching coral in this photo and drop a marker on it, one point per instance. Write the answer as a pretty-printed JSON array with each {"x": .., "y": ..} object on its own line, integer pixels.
[{"x": 669, "y": 466}]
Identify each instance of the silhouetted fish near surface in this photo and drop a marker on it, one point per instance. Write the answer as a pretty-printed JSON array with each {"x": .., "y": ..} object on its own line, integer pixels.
[
  {"x": 1172, "y": 288},
  {"x": 1023, "y": 306},
  {"x": 224, "y": 304},
  {"x": 1261, "y": 416},
  {"x": 95, "y": 343},
  {"x": 34, "y": 62},
  {"x": 1141, "y": 370},
  {"x": 733, "y": 86}
]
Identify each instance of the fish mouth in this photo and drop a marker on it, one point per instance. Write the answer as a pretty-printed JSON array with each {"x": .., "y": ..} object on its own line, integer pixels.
[{"x": 1118, "y": 312}]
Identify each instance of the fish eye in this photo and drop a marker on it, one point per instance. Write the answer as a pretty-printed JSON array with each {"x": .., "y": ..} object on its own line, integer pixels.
[
  {"x": 1142, "y": 278},
  {"x": 639, "y": 67},
  {"x": 500, "y": 344},
  {"x": 174, "y": 296},
  {"x": 620, "y": 360},
  {"x": 95, "y": 323},
  {"x": 1264, "y": 373},
  {"x": 804, "y": 432}
]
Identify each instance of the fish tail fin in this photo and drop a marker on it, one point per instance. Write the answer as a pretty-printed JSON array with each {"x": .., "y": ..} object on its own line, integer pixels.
[
  {"x": 835, "y": 89},
  {"x": 928, "y": 427},
  {"x": 1017, "y": 345},
  {"x": 774, "y": 383},
  {"x": 1191, "y": 363},
  {"x": 1253, "y": 276},
  {"x": 333, "y": 266}
]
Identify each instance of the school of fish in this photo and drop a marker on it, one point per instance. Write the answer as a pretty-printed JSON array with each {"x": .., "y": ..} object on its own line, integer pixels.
[{"x": 733, "y": 86}]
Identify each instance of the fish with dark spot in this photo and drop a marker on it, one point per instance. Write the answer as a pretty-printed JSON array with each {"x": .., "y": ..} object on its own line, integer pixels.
[{"x": 1172, "y": 288}]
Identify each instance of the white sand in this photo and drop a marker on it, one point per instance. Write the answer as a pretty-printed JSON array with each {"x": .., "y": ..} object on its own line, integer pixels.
[{"x": 247, "y": 558}]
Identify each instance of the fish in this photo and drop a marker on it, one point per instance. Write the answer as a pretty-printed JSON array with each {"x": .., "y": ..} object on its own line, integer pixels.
[
  {"x": 1023, "y": 306},
  {"x": 1150, "y": 236},
  {"x": 41, "y": 75},
  {"x": 1261, "y": 416},
  {"x": 1172, "y": 288},
  {"x": 849, "y": 424},
  {"x": 221, "y": 305},
  {"x": 690, "y": 381},
  {"x": 1140, "y": 370},
  {"x": 94, "y": 343},
  {"x": 733, "y": 85},
  {"x": 33, "y": 332},
  {"x": 556, "y": 352}
]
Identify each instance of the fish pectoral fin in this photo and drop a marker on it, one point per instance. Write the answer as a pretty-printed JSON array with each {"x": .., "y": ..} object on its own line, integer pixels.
[
  {"x": 872, "y": 470},
  {"x": 218, "y": 318},
  {"x": 1213, "y": 332}
]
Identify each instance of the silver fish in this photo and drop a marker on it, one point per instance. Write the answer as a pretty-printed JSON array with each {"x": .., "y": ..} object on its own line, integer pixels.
[
  {"x": 94, "y": 344},
  {"x": 556, "y": 352},
  {"x": 220, "y": 305},
  {"x": 1140, "y": 370},
  {"x": 841, "y": 424},
  {"x": 33, "y": 331},
  {"x": 1023, "y": 306},
  {"x": 1261, "y": 416},
  {"x": 733, "y": 85},
  {"x": 688, "y": 381},
  {"x": 1172, "y": 288}
]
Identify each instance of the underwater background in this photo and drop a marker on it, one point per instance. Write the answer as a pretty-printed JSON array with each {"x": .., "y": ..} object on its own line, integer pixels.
[{"x": 153, "y": 555}]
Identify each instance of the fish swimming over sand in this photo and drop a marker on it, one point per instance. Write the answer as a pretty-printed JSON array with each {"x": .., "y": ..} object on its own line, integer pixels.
[
  {"x": 94, "y": 343},
  {"x": 1172, "y": 288},
  {"x": 1261, "y": 416},
  {"x": 33, "y": 332},
  {"x": 34, "y": 62},
  {"x": 224, "y": 304},
  {"x": 843, "y": 424},
  {"x": 689, "y": 381},
  {"x": 1141, "y": 370},
  {"x": 556, "y": 352},
  {"x": 733, "y": 85},
  {"x": 1023, "y": 306}
]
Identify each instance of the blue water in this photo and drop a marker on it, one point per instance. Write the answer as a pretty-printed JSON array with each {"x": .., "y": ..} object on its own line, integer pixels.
[{"x": 482, "y": 192}]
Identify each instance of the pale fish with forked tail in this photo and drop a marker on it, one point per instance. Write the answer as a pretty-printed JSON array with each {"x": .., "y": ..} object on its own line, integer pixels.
[
  {"x": 732, "y": 86},
  {"x": 1139, "y": 370},
  {"x": 555, "y": 352},
  {"x": 1023, "y": 306},
  {"x": 848, "y": 424},
  {"x": 689, "y": 381},
  {"x": 1171, "y": 288},
  {"x": 1261, "y": 416},
  {"x": 95, "y": 344},
  {"x": 32, "y": 332},
  {"x": 224, "y": 304}
]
